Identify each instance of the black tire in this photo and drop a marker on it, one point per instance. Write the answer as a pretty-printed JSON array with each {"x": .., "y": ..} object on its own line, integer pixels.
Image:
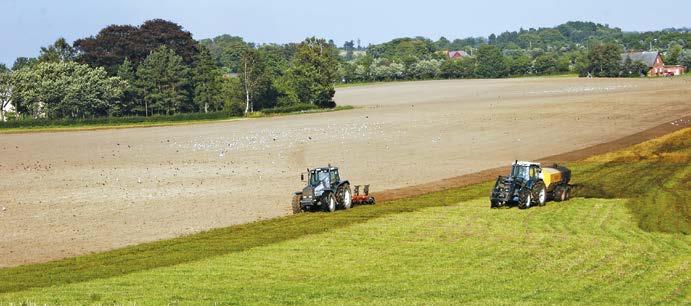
[
  {"x": 329, "y": 202},
  {"x": 539, "y": 194},
  {"x": 567, "y": 193},
  {"x": 494, "y": 204},
  {"x": 559, "y": 193},
  {"x": 371, "y": 201},
  {"x": 346, "y": 197},
  {"x": 297, "y": 208},
  {"x": 525, "y": 199}
]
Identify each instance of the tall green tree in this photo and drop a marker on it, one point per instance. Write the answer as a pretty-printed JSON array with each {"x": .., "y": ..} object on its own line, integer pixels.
[
  {"x": 130, "y": 97},
  {"x": 520, "y": 65},
  {"x": 546, "y": 63},
  {"x": 633, "y": 69},
  {"x": 251, "y": 73},
  {"x": 490, "y": 62},
  {"x": 207, "y": 82},
  {"x": 59, "y": 51},
  {"x": 312, "y": 74},
  {"x": 605, "y": 60},
  {"x": 65, "y": 90},
  {"x": 227, "y": 50},
  {"x": 5, "y": 91},
  {"x": 162, "y": 79},
  {"x": 674, "y": 54},
  {"x": 22, "y": 62}
]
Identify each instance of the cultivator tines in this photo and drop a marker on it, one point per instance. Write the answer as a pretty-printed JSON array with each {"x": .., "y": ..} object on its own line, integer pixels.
[{"x": 363, "y": 198}]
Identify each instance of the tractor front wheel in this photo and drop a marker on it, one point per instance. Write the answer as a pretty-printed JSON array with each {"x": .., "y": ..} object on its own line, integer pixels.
[
  {"x": 525, "y": 199},
  {"x": 329, "y": 202},
  {"x": 297, "y": 208}
]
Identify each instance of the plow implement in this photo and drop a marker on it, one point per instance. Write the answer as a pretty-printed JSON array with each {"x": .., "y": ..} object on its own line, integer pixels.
[{"x": 364, "y": 197}]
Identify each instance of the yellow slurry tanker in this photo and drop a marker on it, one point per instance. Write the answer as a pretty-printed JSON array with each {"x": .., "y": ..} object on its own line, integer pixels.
[{"x": 530, "y": 184}]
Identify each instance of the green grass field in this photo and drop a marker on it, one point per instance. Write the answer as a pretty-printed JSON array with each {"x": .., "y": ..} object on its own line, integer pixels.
[{"x": 624, "y": 240}]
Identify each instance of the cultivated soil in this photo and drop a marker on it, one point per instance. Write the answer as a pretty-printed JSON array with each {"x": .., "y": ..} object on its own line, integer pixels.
[{"x": 70, "y": 193}]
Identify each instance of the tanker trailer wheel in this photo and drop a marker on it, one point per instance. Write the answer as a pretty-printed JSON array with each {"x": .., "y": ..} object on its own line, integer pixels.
[
  {"x": 539, "y": 193},
  {"x": 525, "y": 199},
  {"x": 567, "y": 193},
  {"x": 559, "y": 193},
  {"x": 297, "y": 208},
  {"x": 346, "y": 197},
  {"x": 329, "y": 202}
]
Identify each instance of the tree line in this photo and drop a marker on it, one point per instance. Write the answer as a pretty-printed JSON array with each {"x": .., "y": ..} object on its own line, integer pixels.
[
  {"x": 157, "y": 68},
  {"x": 573, "y": 47}
]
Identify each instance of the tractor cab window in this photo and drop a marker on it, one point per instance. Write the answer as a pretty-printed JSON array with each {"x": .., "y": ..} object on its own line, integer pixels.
[
  {"x": 534, "y": 172},
  {"x": 334, "y": 176},
  {"x": 519, "y": 171},
  {"x": 319, "y": 176}
]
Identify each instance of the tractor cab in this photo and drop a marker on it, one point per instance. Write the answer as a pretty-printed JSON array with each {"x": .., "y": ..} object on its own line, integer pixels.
[
  {"x": 323, "y": 176},
  {"x": 526, "y": 171}
]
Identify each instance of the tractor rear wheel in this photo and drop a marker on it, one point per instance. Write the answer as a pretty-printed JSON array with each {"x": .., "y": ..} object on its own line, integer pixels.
[
  {"x": 567, "y": 193},
  {"x": 297, "y": 208},
  {"x": 559, "y": 193},
  {"x": 346, "y": 197},
  {"x": 540, "y": 193},
  {"x": 329, "y": 202}
]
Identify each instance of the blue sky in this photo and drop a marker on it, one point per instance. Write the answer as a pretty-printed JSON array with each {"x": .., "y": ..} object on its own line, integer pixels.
[{"x": 26, "y": 25}]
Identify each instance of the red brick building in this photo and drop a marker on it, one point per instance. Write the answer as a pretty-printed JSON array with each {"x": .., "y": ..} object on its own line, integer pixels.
[
  {"x": 653, "y": 60},
  {"x": 456, "y": 54}
]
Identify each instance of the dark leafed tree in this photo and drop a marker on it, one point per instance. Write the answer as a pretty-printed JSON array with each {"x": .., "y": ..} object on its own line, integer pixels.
[
  {"x": 162, "y": 79},
  {"x": 113, "y": 44},
  {"x": 207, "y": 77},
  {"x": 159, "y": 32}
]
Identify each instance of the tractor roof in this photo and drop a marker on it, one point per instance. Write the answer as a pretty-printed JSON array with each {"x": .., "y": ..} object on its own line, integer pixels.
[
  {"x": 526, "y": 163},
  {"x": 325, "y": 168}
]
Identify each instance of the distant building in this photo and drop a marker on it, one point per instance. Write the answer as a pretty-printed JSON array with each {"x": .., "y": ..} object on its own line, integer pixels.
[
  {"x": 456, "y": 54},
  {"x": 653, "y": 60}
]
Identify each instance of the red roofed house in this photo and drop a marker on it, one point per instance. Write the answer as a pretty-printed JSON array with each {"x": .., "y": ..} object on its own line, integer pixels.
[
  {"x": 456, "y": 54},
  {"x": 652, "y": 59}
]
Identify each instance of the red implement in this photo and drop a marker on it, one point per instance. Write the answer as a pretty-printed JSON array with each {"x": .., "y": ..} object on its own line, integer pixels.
[{"x": 363, "y": 198}]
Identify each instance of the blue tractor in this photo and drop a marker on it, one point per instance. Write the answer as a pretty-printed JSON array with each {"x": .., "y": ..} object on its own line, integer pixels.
[{"x": 325, "y": 191}]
